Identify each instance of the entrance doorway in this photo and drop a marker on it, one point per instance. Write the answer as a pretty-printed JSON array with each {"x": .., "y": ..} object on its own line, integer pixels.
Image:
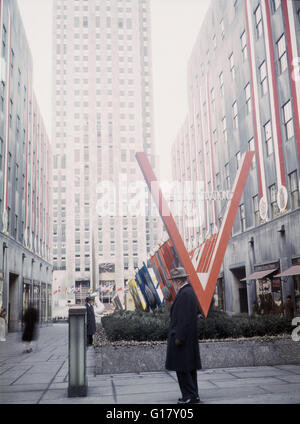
[
  {"x": 243, "y": 299},
  {"x": 13, "y": 303},
  {"x": 241, "y": 289}
]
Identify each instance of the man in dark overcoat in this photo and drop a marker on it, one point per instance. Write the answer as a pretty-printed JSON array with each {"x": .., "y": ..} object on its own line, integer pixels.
[
  {"x": 90, "y": 320},
  {"x": 183, "y": 355}
]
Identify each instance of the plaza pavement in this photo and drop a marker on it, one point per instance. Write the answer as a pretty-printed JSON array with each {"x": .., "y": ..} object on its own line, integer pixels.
[{"x": 41, "y": 377}]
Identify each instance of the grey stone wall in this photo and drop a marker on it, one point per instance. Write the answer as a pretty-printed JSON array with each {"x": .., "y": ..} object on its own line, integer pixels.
[{"x": 214, "y": 354}]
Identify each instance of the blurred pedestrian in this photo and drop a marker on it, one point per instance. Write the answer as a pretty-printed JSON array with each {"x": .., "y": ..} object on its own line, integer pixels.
[
  {"x": 90, "y": 320},
  {"x": 255, "y": 308},
  {"x": 183, "y": 355},
  {"x": 30, "y": 319},
  {"x": 288, "y": 307}
]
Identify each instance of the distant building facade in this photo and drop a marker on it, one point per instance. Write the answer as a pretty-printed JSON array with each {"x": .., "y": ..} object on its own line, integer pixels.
[
  {"x": 102, "y": 115},
  {"x": 244, "y": 94},
  {"x": 25, "y": 180}
]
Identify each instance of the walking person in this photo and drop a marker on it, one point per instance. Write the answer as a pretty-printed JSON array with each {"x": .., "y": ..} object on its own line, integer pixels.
[
  {"x": 30, "y": 319},
  {"x": 183, "y": 355},
  {"x": 90, "y": 320}
]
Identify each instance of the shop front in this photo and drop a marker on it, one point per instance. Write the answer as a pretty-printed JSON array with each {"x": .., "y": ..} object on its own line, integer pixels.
[
  {"x": 36, "y": 295},
  {"x": 49, "y": 302},
  {"x": 27, "y": 294},
  {"x": 219, "y": 295},
  {"x": 39, "y": 296},
  {"x": 43, "y": 302},
  {"x": 268, "y": 290},
  {"x": 293, "y": 273}
]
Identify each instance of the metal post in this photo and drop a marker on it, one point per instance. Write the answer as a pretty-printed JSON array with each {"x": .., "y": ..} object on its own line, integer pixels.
[{"x": 77, "y": 352}]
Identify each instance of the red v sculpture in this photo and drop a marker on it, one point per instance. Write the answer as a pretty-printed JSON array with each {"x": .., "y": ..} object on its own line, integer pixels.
[{"x": 205, "y": 286}]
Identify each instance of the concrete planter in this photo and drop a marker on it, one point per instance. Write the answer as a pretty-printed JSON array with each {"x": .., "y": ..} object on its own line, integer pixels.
[{"x": 112, "y": 359}]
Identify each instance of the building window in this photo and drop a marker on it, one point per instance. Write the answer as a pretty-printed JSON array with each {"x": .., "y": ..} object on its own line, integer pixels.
[
  {"x": 3, "y": 40},
  {"x": 276, "y": 4},
  {"x": 1, "y": 154},
  {"x": 221, "y": 80},
  {"x": 288, "y": 120},
  {"x": 232, "y": 68},
  {"x": 215, "y": 41},
  {"x": 268, "y": 138},
  {"x": 255, "y": 203},
  {"x": 273, "y": 201},
  {"x": 224, "y": 128},
  {"x": 282, "y": 54},
  {"x": 235, "y": 115},
  {"x": 242, "y": 217},
  {"x": 244, "y": 45},
  {"x": 2, "y": 96},
  {"x": 263, "y": 78},
  {"x": 213, "y": 103},
  {"x": 12, "y": 61},
  {"x": 222, "y": 29},
  {"x": 227, "y": 176},
  {"x": 248, "y": 98},
  {"x": 251, "y": 145},
  {"x": 258, "y": 21},
  {"x": 85, "y": 22},
  {"x": 294, "y": 190},
  {"x": 238, "y": 160}
]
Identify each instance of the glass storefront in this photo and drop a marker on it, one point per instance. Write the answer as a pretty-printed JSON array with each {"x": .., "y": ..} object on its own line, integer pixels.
[
  {"x": 297, "y": 294},
  {"x": 49, "y": 300},
  {"x": 27, "y": 293},
  {"x": 36, "y": 295},
  {"x": 43, "y": 303},
  {"x": 219, "y": 297},
  {"x": 269, "y": 296}
]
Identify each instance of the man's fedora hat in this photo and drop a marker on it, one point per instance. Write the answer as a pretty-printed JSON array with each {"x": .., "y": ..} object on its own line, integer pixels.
[
  {"x": 178, "y": 273},
  {"x": 89, "y": 297}
]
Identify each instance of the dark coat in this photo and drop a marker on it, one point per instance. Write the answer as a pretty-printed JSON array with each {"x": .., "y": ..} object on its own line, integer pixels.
[
  {"x": 90, "y": 320},
  {"x": 30, "y": 319},
  {"x": 183, "y": 326}
]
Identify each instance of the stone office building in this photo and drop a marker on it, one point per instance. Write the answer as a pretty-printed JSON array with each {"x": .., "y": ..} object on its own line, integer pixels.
[
  {"x": 25, "y": 171},
  {"x": 244, "y": 94},
  {"x": 102, "y": 115}
]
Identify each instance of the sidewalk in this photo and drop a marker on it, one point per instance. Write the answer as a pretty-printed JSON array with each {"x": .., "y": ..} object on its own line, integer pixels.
[{"x": 41, "y": 377}]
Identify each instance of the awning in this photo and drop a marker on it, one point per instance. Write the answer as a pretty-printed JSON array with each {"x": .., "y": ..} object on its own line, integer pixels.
[
  {"x": 259, "y": 274},
  {"x": 293, "y": 270}
]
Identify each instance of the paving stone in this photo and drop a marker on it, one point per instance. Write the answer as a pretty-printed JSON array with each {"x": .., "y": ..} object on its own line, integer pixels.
[
  {"x": 291, "y": 368},
  {"x": 281, "y": 388},
  {"x": 277, "y": 399},
  {"x": 24, "y": 387},
  {"x": 247, "y": 381},
  {"x": 232, "y": 393},
  {"x": 290, "y": 378},
  {"x": 21, "y": 396},
  {"x": 31, "y": 377},
  {"x": 259, "y": 373}
]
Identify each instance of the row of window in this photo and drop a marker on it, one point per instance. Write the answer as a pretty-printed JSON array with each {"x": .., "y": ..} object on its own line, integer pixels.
[{"x": 293, "y": 189}]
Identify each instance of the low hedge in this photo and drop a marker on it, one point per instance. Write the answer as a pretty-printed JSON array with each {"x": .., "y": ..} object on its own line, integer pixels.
[{"x": 153, "y": 326}]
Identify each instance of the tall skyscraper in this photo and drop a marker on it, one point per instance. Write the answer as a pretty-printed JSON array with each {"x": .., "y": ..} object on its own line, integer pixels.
[{"x": 102, "y": 115}]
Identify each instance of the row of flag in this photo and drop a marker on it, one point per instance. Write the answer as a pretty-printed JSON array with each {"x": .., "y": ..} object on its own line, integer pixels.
[{"x": 70, "y": 290}]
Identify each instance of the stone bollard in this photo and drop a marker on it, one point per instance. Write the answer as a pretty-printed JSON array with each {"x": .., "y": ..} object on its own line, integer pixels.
[{"x": 77, "y": 352}]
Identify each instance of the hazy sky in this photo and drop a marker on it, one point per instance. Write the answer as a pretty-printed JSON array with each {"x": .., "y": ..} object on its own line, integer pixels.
[{"x": 175, "y": 25}]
